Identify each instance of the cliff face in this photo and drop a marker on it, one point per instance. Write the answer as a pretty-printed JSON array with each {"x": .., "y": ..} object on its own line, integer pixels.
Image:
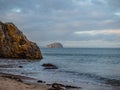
[
  {"x": 14, "y": 44},
  {"x": 55, "y": 45}
]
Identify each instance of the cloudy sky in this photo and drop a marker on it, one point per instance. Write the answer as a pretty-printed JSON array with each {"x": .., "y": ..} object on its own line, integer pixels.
[{"x": 74, "y": 23}]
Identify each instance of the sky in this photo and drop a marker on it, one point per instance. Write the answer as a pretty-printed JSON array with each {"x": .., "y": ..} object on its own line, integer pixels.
[{"x": 74, "y": 23}]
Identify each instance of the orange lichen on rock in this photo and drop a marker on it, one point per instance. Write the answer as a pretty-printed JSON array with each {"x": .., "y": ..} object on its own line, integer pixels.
[{"x": 14, "y": 44}]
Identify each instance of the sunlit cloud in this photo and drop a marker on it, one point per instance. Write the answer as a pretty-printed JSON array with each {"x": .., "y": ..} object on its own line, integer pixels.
[
  {"x": 83, "y": 2},
  {"x": 95, "y": 32},
  {"x": 117, "y": 14},
  {"x": 108, "y": 21},
  {"x": 16, "y": 10},
  {"x": 94, "y": 43}
]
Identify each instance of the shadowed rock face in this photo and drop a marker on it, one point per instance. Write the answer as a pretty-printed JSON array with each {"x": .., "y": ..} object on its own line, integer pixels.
[
  {"x": 14, "y": 44},
  {"x": 55, "y": 45}
]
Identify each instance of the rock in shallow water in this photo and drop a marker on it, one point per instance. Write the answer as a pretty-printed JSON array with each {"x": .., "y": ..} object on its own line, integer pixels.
[
  {"x": 14, "y": 44},
  {"x": 49, "y": 66}
]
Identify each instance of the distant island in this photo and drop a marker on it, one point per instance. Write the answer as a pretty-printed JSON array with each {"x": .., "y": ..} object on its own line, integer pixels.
[{"x": 54, "y": 45}]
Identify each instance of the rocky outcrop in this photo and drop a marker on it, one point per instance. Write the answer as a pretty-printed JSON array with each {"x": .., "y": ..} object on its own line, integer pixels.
[
  {"x": 55, "y": 45},
  {"x": 14, "y": 44},
  {"x": 57, "y": 86},
  {"x": 49, "y": 66}
]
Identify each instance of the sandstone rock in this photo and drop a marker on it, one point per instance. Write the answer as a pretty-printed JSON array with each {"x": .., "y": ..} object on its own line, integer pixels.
[
  {"x": 55, "y": 45},
  {"x": 14, "y": 44}
]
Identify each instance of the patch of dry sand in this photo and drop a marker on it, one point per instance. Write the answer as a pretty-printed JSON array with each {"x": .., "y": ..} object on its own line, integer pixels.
[{"x": 9, "y": 84}]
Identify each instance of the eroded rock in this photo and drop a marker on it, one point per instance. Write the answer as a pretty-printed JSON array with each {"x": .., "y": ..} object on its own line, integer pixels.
[{"x": 14, "y": 44}]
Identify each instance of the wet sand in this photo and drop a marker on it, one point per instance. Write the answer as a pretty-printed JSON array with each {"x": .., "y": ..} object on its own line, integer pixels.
[{"x": 15, "y": 82}]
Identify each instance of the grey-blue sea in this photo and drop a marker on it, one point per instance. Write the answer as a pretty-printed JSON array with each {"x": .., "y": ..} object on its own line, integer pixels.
[{"x": 93, "y": 66}]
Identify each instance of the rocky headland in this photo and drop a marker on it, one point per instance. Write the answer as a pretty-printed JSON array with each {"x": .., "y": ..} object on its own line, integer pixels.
[
  {"x": 14, "y": 44},
  {"x": 54, "y": 45}
]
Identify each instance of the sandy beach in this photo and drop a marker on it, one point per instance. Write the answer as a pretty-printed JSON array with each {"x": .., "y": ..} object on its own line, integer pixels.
[
  {"x": 14, "y": 82},
  {"x": 17, "y": 82},
  {"x": 9, "y": 84}
]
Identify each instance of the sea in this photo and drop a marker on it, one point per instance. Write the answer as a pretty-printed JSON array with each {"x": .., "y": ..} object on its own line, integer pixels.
[{"x": 89, "y": 68}]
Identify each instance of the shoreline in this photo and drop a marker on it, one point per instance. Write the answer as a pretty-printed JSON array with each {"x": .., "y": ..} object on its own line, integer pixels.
[
  {"x": 10, "y": 80},
  {"x": 18, "y": 82}
]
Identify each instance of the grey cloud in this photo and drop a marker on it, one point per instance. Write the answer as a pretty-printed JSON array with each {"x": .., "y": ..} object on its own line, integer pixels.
[
  {"x": 52, "y": 20},
  {"x": 114, "y": 3},
  {"x": 36, "y": 5},
  {"x": 99, "y": 2}
]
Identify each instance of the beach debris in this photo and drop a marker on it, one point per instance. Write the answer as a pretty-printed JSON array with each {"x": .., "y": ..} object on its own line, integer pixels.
[
  {"x": 49, "y": 66},
  {"x": 14, "y": 44}
]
